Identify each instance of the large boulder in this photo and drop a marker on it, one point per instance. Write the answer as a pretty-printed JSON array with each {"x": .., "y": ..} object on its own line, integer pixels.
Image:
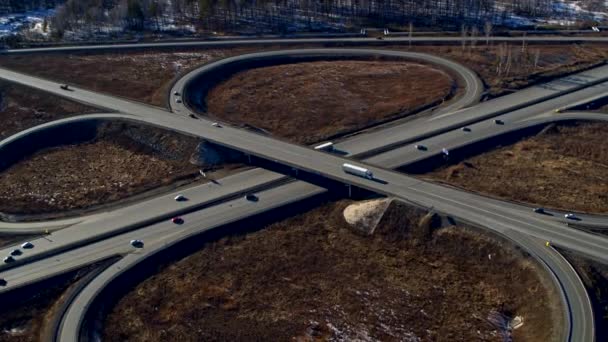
[{"x": 365, "y": 216}]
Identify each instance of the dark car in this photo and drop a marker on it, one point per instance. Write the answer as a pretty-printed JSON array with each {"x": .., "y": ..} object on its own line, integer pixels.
[
  {"x": 251, "y": 197},
  {"x": 2, "y": 282},
  {"x": 539, "y": 210},
  {"x": 137, "y": 243},
  {"x": 177, "y": 220}
]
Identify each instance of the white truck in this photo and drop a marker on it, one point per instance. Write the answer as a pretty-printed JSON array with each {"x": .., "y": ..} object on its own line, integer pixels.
[
  {"x": 328, "y": 146},
  {"x": 357, "y": 171}
]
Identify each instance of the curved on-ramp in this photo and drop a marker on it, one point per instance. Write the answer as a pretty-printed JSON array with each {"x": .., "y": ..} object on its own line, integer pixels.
[{"x": 470, "y": 81}]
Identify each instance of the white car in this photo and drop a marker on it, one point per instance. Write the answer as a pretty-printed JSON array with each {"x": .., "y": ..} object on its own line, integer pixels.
[
  {"x": 215, "y": 124},
  {"x": 570, "y": 216},
  {"x": 27, "y": 245},
  {"x": 180, "y": 198}
]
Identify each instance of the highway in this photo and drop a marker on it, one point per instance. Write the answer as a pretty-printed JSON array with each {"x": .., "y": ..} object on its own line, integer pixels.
[
  {"x": 294, "y": 41},
  {"x": 478, "y": 210}
]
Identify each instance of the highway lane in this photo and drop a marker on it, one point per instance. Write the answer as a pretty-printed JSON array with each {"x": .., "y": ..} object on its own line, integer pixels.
[
  {"x": 137, "y": 215},
  {"x": 160, "y": 233},
  {"x": 273, "y": 41}
]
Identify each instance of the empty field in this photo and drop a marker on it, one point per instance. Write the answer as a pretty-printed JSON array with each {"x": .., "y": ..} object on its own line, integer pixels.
[
  {"x": 122, "y": 161},
  {"x": 563, "y": 167},
  {"x": 310, "y": 277},
  {"x": 312, "y": 101}
]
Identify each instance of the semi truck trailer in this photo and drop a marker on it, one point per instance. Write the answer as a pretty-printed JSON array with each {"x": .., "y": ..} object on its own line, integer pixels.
[{"x": 357, "y": 171}]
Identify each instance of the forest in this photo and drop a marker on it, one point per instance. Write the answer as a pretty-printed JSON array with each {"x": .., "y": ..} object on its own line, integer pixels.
[{"x": 286, "y": 15}]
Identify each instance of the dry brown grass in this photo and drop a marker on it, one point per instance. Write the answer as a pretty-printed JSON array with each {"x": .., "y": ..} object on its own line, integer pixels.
[
  {"x": 22, "y": 108},
  {"x": 553, "y": 61},
  {"x": 312, "y": 101},
  {"x": 122, "y": 161},
  {"x": 562, "y": 168},
  {"x": 311, "y": 278},
  {"x": 142, "y": 76}
]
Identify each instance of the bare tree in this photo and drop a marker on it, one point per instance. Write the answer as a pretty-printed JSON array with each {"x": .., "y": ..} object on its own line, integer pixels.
[
  {"x": 463, "y": 33},
  {"x": 487, "y": 29},
  {"x": 411, "y": 32},
  {"x": 536, "y": 58},
  {"x": 474, "y": 34}
]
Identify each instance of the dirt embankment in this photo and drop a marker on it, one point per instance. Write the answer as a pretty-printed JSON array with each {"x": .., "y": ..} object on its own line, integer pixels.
[
  {"x": 311, "y": 278},
  {"x": 312, "y": 101},
  {"x": 564, "y": 168},
  {"x": 22, "y": 108},
  {"x": 595, "y": 277},
  {"x": 124, "y": 160},
  {"x": 28, "y": 316}
]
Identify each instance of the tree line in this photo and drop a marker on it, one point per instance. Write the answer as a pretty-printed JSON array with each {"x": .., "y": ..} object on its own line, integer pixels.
[{"x": 284, "y": 15}]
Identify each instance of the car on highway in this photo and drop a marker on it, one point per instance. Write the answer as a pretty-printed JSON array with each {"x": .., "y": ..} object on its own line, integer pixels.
[
  {"x": 499, "y": 122},
  {"x": 27, "y": 245},
  {"x": 65, "y": 87},
  {"x": 2, "y": 282},
  {"x": 8, "y": 259},
  {"x": 192, "y": 116},
  {"x": 215, "y": 124},
  {"x": 570, "y": 216},
  {"x": 180, "y": 198},
  {"x": 137, "y": 243},
  {"x": 251, "y": 197},
  {"x": 177, "y": 220},
  {"x": 539, "y": 210},
  {"x": 176, "y": 93},
  {"x": 465, "y": 129},
  {"x": 420, "y": 147},
  {"x": 16, "y": 252},
  {"x": 178, "y": 101}
]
